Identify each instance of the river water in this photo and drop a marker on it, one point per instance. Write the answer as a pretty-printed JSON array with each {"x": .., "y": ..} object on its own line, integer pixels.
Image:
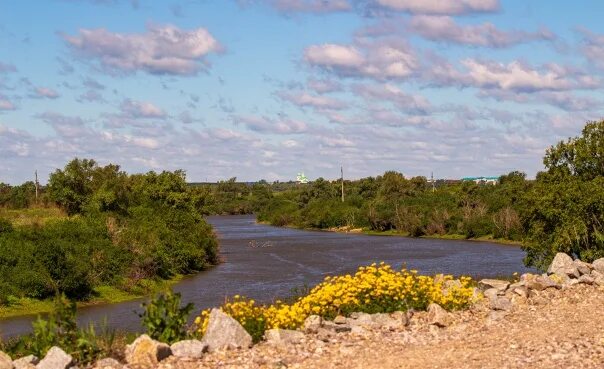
[{"x": 265, "y": 263}]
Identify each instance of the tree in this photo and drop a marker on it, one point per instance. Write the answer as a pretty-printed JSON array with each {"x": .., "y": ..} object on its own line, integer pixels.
[
  {"x": 564, "y": 209},
  {"x": 72, "y": 187}
]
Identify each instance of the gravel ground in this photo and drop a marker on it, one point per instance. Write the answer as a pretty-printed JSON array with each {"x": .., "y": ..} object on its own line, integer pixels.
[{"x": 552, "y": 329}]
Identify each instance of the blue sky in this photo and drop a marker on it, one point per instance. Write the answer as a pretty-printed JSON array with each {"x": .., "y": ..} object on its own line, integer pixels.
[{"x": 268, "y": 88}]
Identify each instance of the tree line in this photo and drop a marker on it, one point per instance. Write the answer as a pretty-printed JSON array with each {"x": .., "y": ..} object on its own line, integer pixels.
[
  {"x": 562, "y": 210},
  {"x": 119, "y": 230}
]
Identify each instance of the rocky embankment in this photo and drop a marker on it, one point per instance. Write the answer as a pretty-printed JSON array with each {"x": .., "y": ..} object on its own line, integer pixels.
[{"x": 552, "y": 320}]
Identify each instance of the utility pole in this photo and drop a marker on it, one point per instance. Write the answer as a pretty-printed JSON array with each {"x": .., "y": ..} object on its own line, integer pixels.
[
  {"x": 342, "y": 173},
  {"x": 37, "y": 186},
  {"x": 432, "y": 180}
]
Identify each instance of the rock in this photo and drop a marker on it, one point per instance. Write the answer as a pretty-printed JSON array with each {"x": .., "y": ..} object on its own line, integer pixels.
[
  {"x": 438, "y": 316},
  {"x": 500, "y": 303},
  {"x": 340, "y": 320},
  {"x": 499, "y": 285},
  {"x": 582, "y": 267},
  {"x": 283, "y": 336},
  {"x": 518, "y": 300},
  {"x": 491, "y": 293},
  {"x": 338, "y": 328},
  {"x": 598, "y": 265},
  {"x": 586, "y": 279},
  {"x": 312, "y": 324},
  {"x": 401, "y": 318},
  {"x": 26, "y": 362},
  {"x": 359, "y": 330},
  {"x": 224, "y": 332},
  {"x": 386, "y": 321},
  {"x": 145, "y": 351},
  {"x": 5, "y": 361},
  {"x": 521, "y": 291},
  {"x": 540, "y": 283},
  {"x": 55, "y": 359},
  {"x": 563, "y": 265},
  {"x": 108, "y": 363},
  {"x": 495, "y": 316},
  {"x": 189, "y": 348},
  {"x": 520, "y": 283}
]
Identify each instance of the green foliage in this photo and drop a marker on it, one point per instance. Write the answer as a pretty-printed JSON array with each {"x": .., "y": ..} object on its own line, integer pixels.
[
  {"x": 124, "y": 231},
  {"x": 394, "y": 203},
  {"x": 164, "y": 319},
  {"x": 60, "y": 329},
  {"x": 564, "y": 210}
]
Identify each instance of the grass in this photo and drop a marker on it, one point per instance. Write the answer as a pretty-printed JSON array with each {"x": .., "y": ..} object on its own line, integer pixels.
[
  {"x": 461, "y": 237},
  {"x": 31, "y": 216},
  {"x": 104, "y": 295}
]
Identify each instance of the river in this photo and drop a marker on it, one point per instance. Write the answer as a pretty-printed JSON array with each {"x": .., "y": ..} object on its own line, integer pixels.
[{"x": 265, "y": 263}]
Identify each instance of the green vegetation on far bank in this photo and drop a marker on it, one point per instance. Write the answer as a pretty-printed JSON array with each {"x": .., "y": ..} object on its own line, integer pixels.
[{"x": 562, "y": 210}]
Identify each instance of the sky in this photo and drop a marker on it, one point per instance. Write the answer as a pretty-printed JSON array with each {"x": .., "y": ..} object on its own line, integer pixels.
[{"x": 265, "y": 89}]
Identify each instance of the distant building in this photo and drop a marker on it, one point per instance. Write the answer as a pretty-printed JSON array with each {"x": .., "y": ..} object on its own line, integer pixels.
[
  {"x": 482, "y": 180},
  {"x": 301, "y": 178}
]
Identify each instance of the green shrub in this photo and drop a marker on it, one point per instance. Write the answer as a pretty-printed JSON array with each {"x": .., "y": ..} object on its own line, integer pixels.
[
  {"x": 164, "y": 319},
  {"x": 60, "y": 329}
]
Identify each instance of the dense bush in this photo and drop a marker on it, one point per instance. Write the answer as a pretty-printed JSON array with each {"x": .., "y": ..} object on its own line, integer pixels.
[
  {"x": 565, "y": 207},
  {"x": 123, "y": 231}
]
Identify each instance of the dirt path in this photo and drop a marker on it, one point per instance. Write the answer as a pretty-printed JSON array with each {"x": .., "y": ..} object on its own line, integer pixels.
[{"x": 554, "y": 329}]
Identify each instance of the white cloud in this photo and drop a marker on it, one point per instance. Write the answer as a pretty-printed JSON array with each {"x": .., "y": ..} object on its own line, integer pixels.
[
  {"x": 45, "y": 92},
  {"x": 281, "y": 125},
  {"x": 141, "y": 109},
  {"x": 520, "y": 77},
  {"x": 415, "y": 104},
  {"x": 451, "y": 7},
  {"x": 444, "y": 28},
  {"x": 5, "y": 104},
  {"x": 311, "y": 6},
  {"x": 303, "y": 99},
  {"x": 378, "y": 59},
  {"x": 161, "y": 50}
]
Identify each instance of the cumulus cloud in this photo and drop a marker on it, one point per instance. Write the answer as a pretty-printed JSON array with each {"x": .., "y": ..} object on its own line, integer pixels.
[
  {"x": 379, "y": 59},
  {"x": 303, "y": 99},
  {"x": 441, "y": 7},
  {"x": 141, "y": 109},
  {"x": 387, "y": 92},
  {"x": 66, "y": 126},
  {"x": 160, "y": 50},
  {"x": 311, "y": 6},
  {"x": 6, "y": 104},
  {"x": 444, "y": 29},
  {"x": 564, "y": 100},
  {"x": 281, "y": 125},
  {"x": 593, "y": 47},
  {"x": 91, "y": 96},
  {"x": 322, "y": 86},
  {"x": 513, "y": 76},
  {"x": 45, "y": 93}
]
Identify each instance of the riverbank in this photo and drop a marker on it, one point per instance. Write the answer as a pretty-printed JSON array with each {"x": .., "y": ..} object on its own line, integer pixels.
[
  {"x": 103, "y": 295},
  {"x": 394, "y": 233}
]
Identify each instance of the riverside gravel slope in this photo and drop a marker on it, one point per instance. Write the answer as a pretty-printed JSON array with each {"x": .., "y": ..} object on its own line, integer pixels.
[{"x": 552, "y": 329}]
